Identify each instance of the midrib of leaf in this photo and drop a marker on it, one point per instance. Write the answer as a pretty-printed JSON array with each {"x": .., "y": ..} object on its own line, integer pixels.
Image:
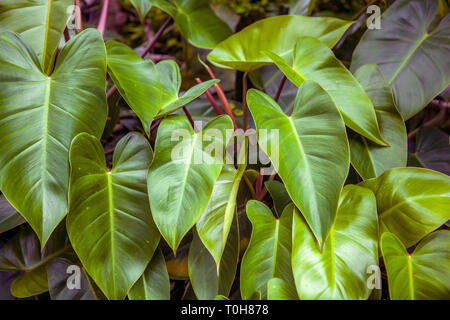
[
  {"x": 111, "y": 224},
  {"x": 44, "y": 152},
  {"x": 410, "y": 276},
  {"x": 47, "y": 30},
  {"x": 411, "y": 199},
  {"x": 408, "y": 57},
  {"x": 366, "y": 146},
  {"x": 275, "y": 251}
]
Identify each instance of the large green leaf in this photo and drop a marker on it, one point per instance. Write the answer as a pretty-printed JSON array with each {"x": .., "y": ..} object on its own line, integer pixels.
[
  {"x": 269, "y": 253},
  {"x": 154, "y": 283},
  {"x": 151, "y": 91},
  {"x": 215, "y": 223},
  {"x": 421, "y": 275},
  {"x": 278, "y": 289},
  {"x": 369, "y": 159},
  {"x": 432, "y": 150},
  {"x": 197, "y": 21},
  {"x": 40, "y": 22},
  {"x": 40, "y": 115},
  {"x": 136, "y": 79},
  {"x": 339, "y": 271},
  {"x": 9, "y": 217},
  {"x": 244, "y": 50},
  {"x": 209, "y": 279},
  {"x": 411, "y": 202},
  {"x": 182, "y": 175},
  {"x": 313, "y": 60},
  {"x": 112, "y": 208},
  {"x": 412, "y": 49},
  {"x": 313, "y": 173}
]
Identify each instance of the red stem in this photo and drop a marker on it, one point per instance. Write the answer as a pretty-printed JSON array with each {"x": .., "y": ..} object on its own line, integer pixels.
[
  {"x": 244, "y": 100},
  {"x": 280, "y": 88},
  {"x": 79, "y": 17},
  {"x": 211, "y": 99},
  {"x": 188, "y": 115},
  {"x": 103, "y": 17}
]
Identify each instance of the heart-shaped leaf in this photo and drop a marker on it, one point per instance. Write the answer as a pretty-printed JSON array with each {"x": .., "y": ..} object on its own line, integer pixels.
[
  {"x": 36, "y": 132},
  {"x": 412, "y": 48},
  {"x": 244, "y": 50},
  {"x": 312, "y": 172},
  {"x": 369, "y": 159},
  {"x": 154, "y": 283},
  {"x": 421, "y": 275},
  {"x": 269, "y": 253},
  {"x": 182, "y": 175},
  {"x": 207, "y": 278},
  {"x": 40, "y": 22},
  {"x": 313, "y": 60},
  {"x": 112, "y": 208},
  {"x": 197, "y": 21},
  {"x": 339, "y": 271},
  {"x": 411, "y": 202}
]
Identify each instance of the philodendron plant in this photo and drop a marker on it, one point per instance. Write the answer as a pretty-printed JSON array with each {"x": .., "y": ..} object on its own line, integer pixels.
[{"x": 339, "y": 211}]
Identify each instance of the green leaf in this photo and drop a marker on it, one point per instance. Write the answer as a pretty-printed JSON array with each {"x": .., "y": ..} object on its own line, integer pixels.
[
  {"x": 197, "y": 21},
  {"x": 269, "y": 252},
  {"x": 279, "y": 195},
  {"x": 207, "y": 278},
  {"x": 315, "y": 61},
  {"x": 40, "y": 22},
  {"x": 340, "y": 270},
  {"x": 412, "y": 49},
  {"x": 313, "y": 173},
  {"x": 154, "y": 283},
  {"x": 301, "y": 7},
  {"x": 9, "y": 217},
  {"x": 411, "y": 202},
  {"x": 243, "y": 51},
  {"x": 112, "y": 208},
  {"x": 215, "y": 222},
  {"x": 30, "y": 283},
  {"x": 432, "y": 150},
  {"x": 36, "y": 132},
  {"x": 151, "y": 91},
  {"x": 170, "y": 75},
  {"x": 278, "y": 289},
  {"x": 220, "y": 297},
  {"x": 369, "y": 159},
  {"x": 137, "y": 81},
  {"x": 142, "y": 7},
  {"x": 182, "y": 175},
  {"x": 422, "y": 275},
  {"x": 66, "y": 270}
]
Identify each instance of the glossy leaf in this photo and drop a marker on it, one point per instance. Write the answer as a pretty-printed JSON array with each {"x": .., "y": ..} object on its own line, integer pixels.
[
  {"x": 421, "y": 275},
  {"x": 151, "y": 91},
  {"x": 40, "y": 22},
  {"x": 269, "y": 252},
  {"x": 154, "y": 283},
  {"x": 432, "y": 150},
  {"x": 209, "y": 279},
  {"x": 197, "y": 21},
  {"x": 278, "y": 289},
  {"x": 136, "y": 79},
  {"x": 182, "y": 175},
  {"x": 313, "y": 173},
  {"x": 340, "y": 270},
  {"x": 369, "y": 159},
  {"x": 35, "y": 133},
  {"x": 411, "y": 202},
  {"x": 112, "y": 208},
  {"x": 412, "y": 49},
  {"x": 244, "y": 51},
  {"x": 9, "y": 217},
  {"x": 301, "y": 7},
  {"x": 313, "y": 60},
  {"x": 142, "y": 7},
  {"x": 214, "y": 224},
  {"x": 279, "y": 195}
]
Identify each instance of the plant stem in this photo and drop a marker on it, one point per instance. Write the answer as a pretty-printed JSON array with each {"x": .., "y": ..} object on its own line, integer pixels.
[
  {"x": 244, "y": 100},
  {"x": 264, "y": 192},
  {"x": 155, "y": 124},
  {"x": 280, "y": 88},
  {"x": 103, "y": 17},
  {"x": 188, "y": 115},
  {"x": 249, "y": 185},
  {"x": 78, "y": 17},
  {"x": 211, "y": 99}
]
